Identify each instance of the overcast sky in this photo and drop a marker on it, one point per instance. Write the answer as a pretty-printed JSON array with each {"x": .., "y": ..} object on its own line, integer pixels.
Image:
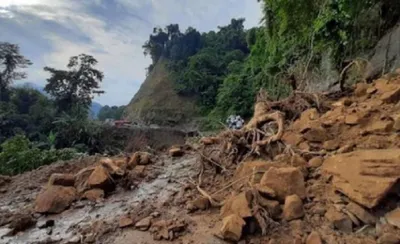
[{"x": 113, "y": 31}]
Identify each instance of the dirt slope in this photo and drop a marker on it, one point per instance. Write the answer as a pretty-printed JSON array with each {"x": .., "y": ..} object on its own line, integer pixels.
[
  {"x": 329, "y": 176},
  {"x": 156, "y": 102}
]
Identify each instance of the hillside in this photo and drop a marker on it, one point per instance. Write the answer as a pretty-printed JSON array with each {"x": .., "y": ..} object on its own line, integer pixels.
[{"x": 156, "y": 102}]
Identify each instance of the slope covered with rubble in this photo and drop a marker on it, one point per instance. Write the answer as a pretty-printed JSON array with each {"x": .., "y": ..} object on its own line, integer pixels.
[{"x": 313, "y": 168}]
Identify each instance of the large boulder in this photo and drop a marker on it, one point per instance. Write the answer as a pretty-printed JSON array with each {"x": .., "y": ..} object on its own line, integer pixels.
[
  {"x": 285, "y": 182},
  {"x": 100, "y": 178},
  {"x": 55, "y": 199},
  {"x": 365, "y": 176}
]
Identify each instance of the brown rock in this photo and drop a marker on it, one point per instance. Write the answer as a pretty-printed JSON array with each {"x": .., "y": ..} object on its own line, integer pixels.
[
  {"x": 237, "y": 205},
  {"x": 246, "y": 168},
  {"x": 273, "y": 207},
  {"x": 55, "y": 199},
  {"x": 139, "y": 170},
  {"x": 99, "y": 179},
  {"x": 365, "y": 176},
  {"x": 388, "y": 238},
  {"x": 339, "y": 220},
  {"x": 62, "y": 180},
  {"x": 383, "y": 85},
  {"x": 379, "y": 126},
  {"x": 317, "y": 134},
  {"x": 292, "y": 138},
  {"x": 391, "y": 96},
  {"x": 176, "y": 152},
  {"x": 232, "y": 226},
  {"x": 93, "y": 195},
  {"x": 361, "y": 213},
  {"x": 315, "y": 162},
  {"x": 201, "y": 203},
  {"x": 144, "y": 159},
  {"x": 314, "y": 238},
  {"x": 361, "y": 89},
  {"x": 125, "y": 222},
  {"x": 393, "y": 217},
  {"x": 352, "y": 119},
  {"x": 265, "y": 191},
  {"x": 331, "y": 145},
  {"x": 144, "y": 224},
  {"x": 293, "y": 208},
  {"x": 396, "y": 125},
  {"x": 298, "y": 161},
  {"x": 285, "y": 182},
  {"x": 345, "y": 149},
  {"x": 111, "y": 167},
  {"x": 371, "y": 90},
  {"x": 304, "y": 146}
]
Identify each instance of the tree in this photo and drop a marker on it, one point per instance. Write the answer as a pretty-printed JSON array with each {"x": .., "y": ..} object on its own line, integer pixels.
[
  {"x": 10, "y": 61},
  {"x": 77, "y": 85}
]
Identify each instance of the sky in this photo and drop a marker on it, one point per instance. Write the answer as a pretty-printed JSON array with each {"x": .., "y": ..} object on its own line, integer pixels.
[{"x": 49, "y": 32}]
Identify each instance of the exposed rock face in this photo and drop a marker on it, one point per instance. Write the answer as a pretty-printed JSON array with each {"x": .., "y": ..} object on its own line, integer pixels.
[
  {"x": 285, "y": 182},
  {"x": 365, "y": 176},
  {"x": 55, "y": 199}
]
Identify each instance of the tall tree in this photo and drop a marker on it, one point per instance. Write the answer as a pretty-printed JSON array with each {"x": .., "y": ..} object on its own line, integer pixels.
[
  {"x": 10, "y": 61},
  {"x": 77, "y": 85}
]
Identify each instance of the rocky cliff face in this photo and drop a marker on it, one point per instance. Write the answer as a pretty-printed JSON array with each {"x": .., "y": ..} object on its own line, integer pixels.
[{"x": 156, "y": 102}]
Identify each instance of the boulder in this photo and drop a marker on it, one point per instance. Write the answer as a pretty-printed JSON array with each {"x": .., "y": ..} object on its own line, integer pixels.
[
  {"x": 62, "y": 180},
  {"x": 100, "y": 178},
  {"x": 55, "y": 199},
  {"x": 361, "y": 213},
  {"x": 93, "y": 195},
  {"x": 125, "y": 222},
  {"x": 315, "y": 162},
  {"x": 339, "y": 220},
  {"x": 265, "y": 191},
  {"x": 111, "y": 167},
  {"x": 247, "y": 168},
  {"x": 393, "y": 217},
  {"x": 298, "y": 161},
  {"x": 293, "y": 208},
  {"x": 232, "y": 227},
  {"x": 285, "y": 182},
  {"x": 365, "y": 176},
  {"x": 314, "y": 238},
  {"x": 291, "y": 138},
  {"x": 379, "y": 126},
  {"x": 238, "y": 205}
]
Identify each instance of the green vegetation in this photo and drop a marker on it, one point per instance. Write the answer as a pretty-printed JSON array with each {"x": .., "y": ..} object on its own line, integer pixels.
[
  {"x": 299, "y": 41},
  {"x": 38, "y": 130},
  {"x": 113, "y": 112}
]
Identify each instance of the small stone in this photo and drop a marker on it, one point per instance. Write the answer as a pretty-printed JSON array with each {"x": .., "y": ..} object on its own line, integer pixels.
[
  {"x": 314, "y": 238},
  {"x": 317, "y": 134},
  {"x": 346, "y": 149},
  {"x": 315, "y": 162},
  {"x": 232, "y": 226},
  {"x": 155, "y": 214},
  {"x": 371, "y": 90},
  {"x": 293, "y": 208},
  {"x": 74, "y": 240},
  {"x": 339, "y": 220},
  {"x": 361, "y": 213},
  {"x": 176, "y": 152},
  {"x": 393, "y": 217},
  {"x": 94, "y": 195},
  {"x": 391, "y": 96},
  {"x": 361, "y": 89},
  {"x": 201, "y": 203},
  {"x": 45, "y": 224},
  {"x": 125, "y": 222},
  {"x": 265, "y": 191},
  {"x": 238, "y": 205},
  {"x": 388, "y": 238},
  {"x": 352, "y": 119},
  {"x": 331, "y": 145},
  {"x": 144, "y": 224}
]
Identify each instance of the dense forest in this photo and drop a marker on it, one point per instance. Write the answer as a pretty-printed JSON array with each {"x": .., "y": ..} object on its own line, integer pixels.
[{"x": 298, "y": 42}]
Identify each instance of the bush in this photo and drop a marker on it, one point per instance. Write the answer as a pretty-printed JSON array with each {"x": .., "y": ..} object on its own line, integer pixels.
[{"x": 17, "y": 156}]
